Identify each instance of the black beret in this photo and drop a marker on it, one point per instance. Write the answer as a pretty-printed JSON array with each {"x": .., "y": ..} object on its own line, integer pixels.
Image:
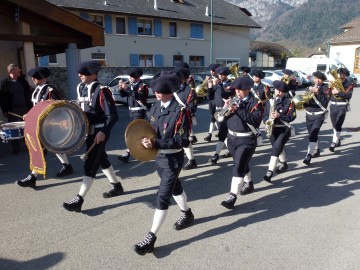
[
  {"x": 281, "y": 86},
  {"x": 182, "y": 65},
  {"x": 212, "y": 67},
  {"x": 39, "y": 73},
  {"x": 258, "y": 73},
  {"x": 88, "y": 68},
  {"x": 166, "y": 82},
  {"x": 320, "y": 75},
  {"x": 344, "y": 71},
  {"x": 287, "y": 71},
  {"x": 245, "y": 69},
  {"x": 183, "y": 73},
  {"x": 223, "y": 71},
  {"x": 243, "y": 83},
  {"x": 136, "y": 72}
]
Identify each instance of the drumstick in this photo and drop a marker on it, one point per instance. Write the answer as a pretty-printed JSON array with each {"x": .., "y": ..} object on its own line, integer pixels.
[
  {"x": 84, "y": 156},
  {"x": 14, "y": 114}
]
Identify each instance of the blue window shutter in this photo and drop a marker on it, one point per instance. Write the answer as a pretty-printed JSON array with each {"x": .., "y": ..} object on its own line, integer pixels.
[
  {"x": 108, "y": 24},
  {"x": 200, "y": 33},
  {"x": 84, "y": 15},
  {"x": 196, "y": 31},
  {"x": 134, "y": 60},
  {"x": 158, "y": 60},
  {"x": 202, "y": 60},
  {"x": 157, "y": 28},
  {"x": 132, "y": 25},
  {"x": 44, "y": 61},
  {"x": 192, "y": 30}
]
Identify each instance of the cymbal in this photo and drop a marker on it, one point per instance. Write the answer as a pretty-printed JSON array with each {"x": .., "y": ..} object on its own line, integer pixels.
[{"x": 134, "y": 133}]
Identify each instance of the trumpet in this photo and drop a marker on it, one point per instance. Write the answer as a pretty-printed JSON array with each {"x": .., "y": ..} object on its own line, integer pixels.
[
  {"x": 221, "y": 115},
  {"x": 269, "y": 124}
]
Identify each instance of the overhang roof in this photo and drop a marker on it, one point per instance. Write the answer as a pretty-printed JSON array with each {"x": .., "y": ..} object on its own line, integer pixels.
[
  {"x": 52, "y": 28},
  {"x": 350, "y": 36},
  {"x": 270, "y": 48}
]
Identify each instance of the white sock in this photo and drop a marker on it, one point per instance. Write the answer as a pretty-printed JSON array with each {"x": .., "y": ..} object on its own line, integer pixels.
[
  {"x": 317, "y": 145},
  {"x": 236, "y": 184},
  {"x": 272, "y": 163},
  {"x": 282, "y": 157},
  {"x": 247, "y": 177},
  {"x": 158, "y": 220},
  {"x": 311, "y": 147},
  {"x": 336, "y": 136},
  {"x": 86, "y": 185},
  {"x": 181, "y": 201},
  {"x": 110, "y": 174},
  {"x": 34, "y": 173},
  {"x": 191, "y": 133},
  {"x": 63, "y": 158},
  {"x": 225, "y": 142},
  {"x": 211, "y": 128},
  {"x": 219, "y": 147},
  {"x": 189, "y": 151}
]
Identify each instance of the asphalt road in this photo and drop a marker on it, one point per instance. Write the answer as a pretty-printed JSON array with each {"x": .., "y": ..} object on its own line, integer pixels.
[{"x": 306, "y": 219}]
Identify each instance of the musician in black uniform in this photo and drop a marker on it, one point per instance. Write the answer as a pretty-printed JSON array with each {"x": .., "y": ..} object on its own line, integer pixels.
[
  {"x": 283, "y": 112},
  {"x": 15, "y": 97},
  {"x": 245, "y": 71},
  {"x": 172, "y": 125},
  {"x": 137, "y": 92},
  {"x": 242, "y": 124},
  {"x": 316, "y": 113},
  {"x": 98, "y": 104},
  {"x": 210, "y": 98},
  {"x": 261, "y": 91},
  {"x": 339, "y": 105},
  {"x": 187, "y": 98},
  {"x": 291, "y": 82},
  {"x": 44, "y": 91},
  {"x": 222, "y": 90}
]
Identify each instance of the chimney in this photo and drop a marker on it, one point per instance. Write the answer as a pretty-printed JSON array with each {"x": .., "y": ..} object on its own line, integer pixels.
[
  {"x": 155, "y": 5},
  {"x": 207, "y": 11}
]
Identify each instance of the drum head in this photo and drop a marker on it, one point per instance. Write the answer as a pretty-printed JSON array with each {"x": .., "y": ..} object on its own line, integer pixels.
[{"x": 63, "y": 130}]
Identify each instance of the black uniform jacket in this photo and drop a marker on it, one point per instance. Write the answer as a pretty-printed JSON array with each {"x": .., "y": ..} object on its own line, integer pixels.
[
  {"x": 44, "y": 92},
  {"x": 188, "y": 97},
  {"x": 220, "y": 92},
  {"x": 262, "y": 91},
  {"x": 322, "y": 96},
  {"x": 346, "y": 95},
  {"x": 285, "y": 107},
  {"x": 139, "y": 91}
]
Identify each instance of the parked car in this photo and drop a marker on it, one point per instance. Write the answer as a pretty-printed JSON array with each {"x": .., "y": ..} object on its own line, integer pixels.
[
  {"x": 146, "y": 78},
  {"x": 307, "y": 79}
]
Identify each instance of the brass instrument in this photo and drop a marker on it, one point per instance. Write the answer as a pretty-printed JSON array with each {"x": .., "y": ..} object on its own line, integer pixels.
[
  {"x": 220, "y": 116},
  {"x": 286, "y": 80},
  {"x": 202, "y": 88},
  {"x": 269, "y": 124},
  {"x": 300, "y": 100},
  {"x": 337, "y": 83},
  {"x": 234, "y": 69}
]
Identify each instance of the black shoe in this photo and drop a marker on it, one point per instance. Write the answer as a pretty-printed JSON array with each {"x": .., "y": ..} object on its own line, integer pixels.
[
  {"x": 338, "y": 143},
  {"x": 267, "y": 176},
  {"x": 332, "y": 147},
  {"x": 214, "y": 159},
  {"x": 75, "y": 204},
  {"x": 230, "y": 201},
  {"x": 190, "y": 165},
  {"x": 193, "y": 139},
  {"x": 65, "y": 170},
  {"x": 124, "y": 158},
  {"x": 115, "y": 190},
  {"x": 282, "y": 168},
  {"x": 208, "y": 138},
  {"x": 247, "y": 188},
  {"x": 185, "y": 220},
  {"x": 29, "y": 181},
  {"x": 316, "y": 153},
  {"x": 147, "y": 245},
  {"x": 307, "y": 159},
  {"x": 227, "y": 155}
]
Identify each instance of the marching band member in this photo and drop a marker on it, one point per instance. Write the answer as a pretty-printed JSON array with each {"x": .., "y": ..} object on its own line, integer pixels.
[
  {"x": 44, "y": 91},
  {"x": 172, "y": 125},
  {"x": 339, "y": 105},
  {"x": 210, "y": 98},
  {"x": 291, "y": 82},
  {"x": 187, "y": 98},
  {"x": 222, "y": 90},
  {"x": 242, "y": 122},
  {"x": 245, "y": 71},
  {"x": 260, "y": 91},
  {"x": 99, "y": 106},
  {"x": 315, "y": 114},
  {"x": 283, "y": 112},
  {"x": 137, "y": 92}
]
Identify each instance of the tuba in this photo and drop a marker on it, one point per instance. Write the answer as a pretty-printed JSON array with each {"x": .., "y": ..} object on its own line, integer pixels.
[
  {"x": 269, "y": 124},
  {"x": 300, "y": 100},
  {"x": 234, "y": 69},
  {"x": 202, "y": 88},
  {"x": 337, "y": 83},
  {"x": 220, "y": 116}
]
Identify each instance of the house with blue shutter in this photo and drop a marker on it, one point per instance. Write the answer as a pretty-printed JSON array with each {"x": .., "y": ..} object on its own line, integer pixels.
[{"x": 158, "y": 33}]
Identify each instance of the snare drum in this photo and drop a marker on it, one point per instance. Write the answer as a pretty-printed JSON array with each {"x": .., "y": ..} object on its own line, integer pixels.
[{"x": 12, "y": 131}]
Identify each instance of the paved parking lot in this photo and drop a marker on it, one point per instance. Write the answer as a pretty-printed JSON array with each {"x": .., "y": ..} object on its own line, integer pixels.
[{"x": 307, "y": 219}]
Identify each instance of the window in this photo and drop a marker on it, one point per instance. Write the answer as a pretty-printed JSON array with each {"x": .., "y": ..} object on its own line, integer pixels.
[
  {"x": 196, "y": 61},
  {"x": 120, "y": 25},
  {"x": 145, "y": 60},
  {"x": 98, "y": 19},
  {"x": 144, "y": 27},
  {"x": 52, "y": 59},
  {"x": 177, "y": 58},
  {"x": 196, "y": 31},
  {"x": 98, "y": 56},
  {"x": 172, "y": 29}
]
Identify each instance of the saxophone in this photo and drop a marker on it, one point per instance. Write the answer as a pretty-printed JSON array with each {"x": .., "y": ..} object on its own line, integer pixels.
[
  {"x": 221, "y": 115},
  {"x": 269, "y": 124},
  {"x": 337, "y": 83}
]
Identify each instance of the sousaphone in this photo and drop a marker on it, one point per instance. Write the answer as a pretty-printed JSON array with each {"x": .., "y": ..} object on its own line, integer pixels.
[{"x": 134, "y": 133}]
